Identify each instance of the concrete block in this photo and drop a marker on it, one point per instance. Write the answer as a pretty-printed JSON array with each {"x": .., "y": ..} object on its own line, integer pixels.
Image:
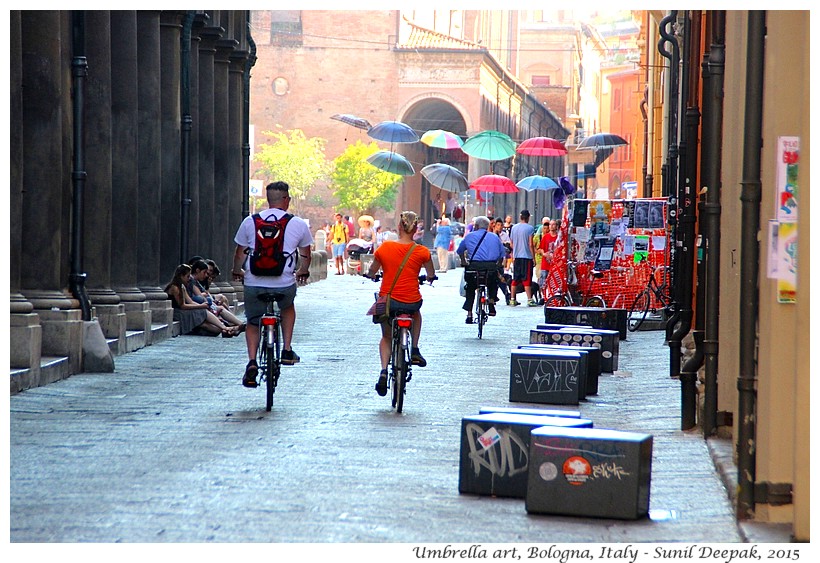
[
  {"x": 547, "y": 376},
  {"x": 593, "y": 362},
  {"x": 595, "y": 317},
  {"x": 531, "y": 411},
  {"x": 25, "y": 340},
  {"x": 607, "y": 340}
]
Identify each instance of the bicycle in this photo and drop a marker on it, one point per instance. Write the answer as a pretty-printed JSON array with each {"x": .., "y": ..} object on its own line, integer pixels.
[
  {"x": 482, "y": 302},
  {"x": 572, "y": 296},
  {"x": 400, "y": 363},
  {"x": 270, "y": 348},
  {"x": 643, "y": 301}
]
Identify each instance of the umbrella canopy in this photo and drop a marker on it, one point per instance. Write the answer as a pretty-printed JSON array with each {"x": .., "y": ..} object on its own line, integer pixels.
[
  {"x": 442, "y": 139},
  {"x": 601, "y": 141},
  {"x": 358, "y": 122},
  {"x": 495, "y": 184},
  {"x": 489, "y": 145},
  {"x": 531, "y": 183},
  {"x": 391, "y": 162},
  {"x": 446, "y": 177},
  {"x": 366, "y": 221},
  {"x": 393, "y": 132},
  {"x": 542, "y": 146}
]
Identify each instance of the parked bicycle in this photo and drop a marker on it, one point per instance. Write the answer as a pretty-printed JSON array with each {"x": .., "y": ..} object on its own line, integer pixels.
[
  {"x": 400, "y": 364},
  {"x": 572, "y": 296},
  {"x": 270, "y": 345},
  {"x": 644, "y": 301}
]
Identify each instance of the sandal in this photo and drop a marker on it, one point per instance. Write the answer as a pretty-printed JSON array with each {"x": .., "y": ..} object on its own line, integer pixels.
[{"x": 242, "y": 328}]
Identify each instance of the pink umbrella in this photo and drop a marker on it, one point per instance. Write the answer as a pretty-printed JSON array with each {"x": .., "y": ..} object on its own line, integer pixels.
[
  {"x": 495, "y": 184},
  {"x": 542, "y": 146}
]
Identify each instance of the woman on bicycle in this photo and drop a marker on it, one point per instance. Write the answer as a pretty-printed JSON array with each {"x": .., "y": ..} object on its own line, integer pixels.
[{"x": 405, "y": 296}]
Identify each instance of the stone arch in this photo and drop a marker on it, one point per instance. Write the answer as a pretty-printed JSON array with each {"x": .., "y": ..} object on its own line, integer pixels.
[{"x": 411, "y": 106}]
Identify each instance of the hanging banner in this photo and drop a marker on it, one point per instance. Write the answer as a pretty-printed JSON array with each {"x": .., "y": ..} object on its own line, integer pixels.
[
  {"x": 788, "y": 157},
  {"x": 787, "y": 263}
]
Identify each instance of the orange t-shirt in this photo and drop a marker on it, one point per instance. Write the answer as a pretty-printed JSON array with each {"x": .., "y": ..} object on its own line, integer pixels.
[{"x": 390, "y": 255}]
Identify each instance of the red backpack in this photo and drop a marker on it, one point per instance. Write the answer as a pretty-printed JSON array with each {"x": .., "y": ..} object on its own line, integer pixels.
[{"x": 268, "y": 257}]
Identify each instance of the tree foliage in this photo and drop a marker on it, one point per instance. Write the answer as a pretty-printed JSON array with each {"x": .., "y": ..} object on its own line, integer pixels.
[
  {"x": 294, "y": 159},
  {"x": 360, "y": 186}
]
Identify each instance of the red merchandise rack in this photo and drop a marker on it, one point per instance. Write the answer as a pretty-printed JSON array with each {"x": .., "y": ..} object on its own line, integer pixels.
[{"x": 623, "y": 279}]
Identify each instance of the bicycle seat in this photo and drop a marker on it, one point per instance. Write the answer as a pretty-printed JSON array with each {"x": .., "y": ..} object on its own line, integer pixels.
[
  {"x": 270, "y": 297},
  {"x": 597, "y": 274}
]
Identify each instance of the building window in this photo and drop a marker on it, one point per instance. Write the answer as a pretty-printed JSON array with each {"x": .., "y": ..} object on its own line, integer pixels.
[
  {"x": 540, "y": 80},
  {"x": 616, "y": 99},
  {"x": 286, "y": 28}
]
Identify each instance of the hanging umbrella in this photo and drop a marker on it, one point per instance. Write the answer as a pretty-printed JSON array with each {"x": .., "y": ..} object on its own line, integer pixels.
[
  {"x": 542, "y": 146},
  {"x": 391, "y": 162},
  {"x": 446, "y": 177},
  {"x": 495, "y": 184},
  {"x": 601, "y": 141},
  {"x": 442, "y": 139},
  {"x": 357, "y": 122},
  {"x": 393, "y": 132},
  {"x": 559, "y": 196},
  {"x": 489, "y": 145},
  {"x": 531, "y": 183}
]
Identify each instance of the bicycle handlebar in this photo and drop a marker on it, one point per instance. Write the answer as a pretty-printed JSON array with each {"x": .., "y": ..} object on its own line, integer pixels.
[{"x": 422, "y": 278}]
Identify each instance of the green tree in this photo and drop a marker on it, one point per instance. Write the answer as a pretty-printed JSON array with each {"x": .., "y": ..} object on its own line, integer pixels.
[
  {"x": 360, "y": 186},
  {"x": 294, "y": 159}
]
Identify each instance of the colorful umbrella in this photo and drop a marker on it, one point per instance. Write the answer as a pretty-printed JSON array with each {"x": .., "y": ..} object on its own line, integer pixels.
[
  {"x": 489, "y": 145},
  {"x": 446, "y": 177},
  {"x": 442, "y": 139},
  {"x": 393, "y": 132},
  {"x": 495, "y": 184},
  {"x": 542, "y": 146},
  {"x": 531, "y": 183},
  {"x": 601, "y": 141},
  {"x": 391, "y": 162},
  {"x": 358, "y": 122}
]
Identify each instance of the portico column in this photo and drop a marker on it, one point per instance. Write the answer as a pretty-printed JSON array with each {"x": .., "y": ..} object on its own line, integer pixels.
[
  {"x": 149, "y": 279},
  {"x": 206, "y": 219},
  {"x": 125, "y": 176}
]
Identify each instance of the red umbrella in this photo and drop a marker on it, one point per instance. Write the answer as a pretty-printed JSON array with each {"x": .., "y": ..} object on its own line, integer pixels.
[
  {"x": 495, "y": 184},
  {"x": 542, "y": 146}
]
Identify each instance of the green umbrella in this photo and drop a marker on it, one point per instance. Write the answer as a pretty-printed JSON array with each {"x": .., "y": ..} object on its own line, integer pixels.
[
  {"x": 489, "y": 145},
  {"x": 391, "y": 162}
]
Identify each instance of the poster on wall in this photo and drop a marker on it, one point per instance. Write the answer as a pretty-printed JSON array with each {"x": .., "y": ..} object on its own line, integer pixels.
[
  {"x": 787, "y": 263},
  {"x": 579, "y": 212},
  {"x": 641, "y": 218},
  {"x": 641, "y": 249},
  {"x": 656, "y": 218},
  {"x": 604, "y": 260},
  {"x": 600, "y": 212},
  {"x": 788, "y": 157}
]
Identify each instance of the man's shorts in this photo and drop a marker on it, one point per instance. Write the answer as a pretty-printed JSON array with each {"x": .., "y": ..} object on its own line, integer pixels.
[
  {"x": 255, "y": 308},
  {"x": 339, "y": 250},
  {"x": 522, "y": 270}
]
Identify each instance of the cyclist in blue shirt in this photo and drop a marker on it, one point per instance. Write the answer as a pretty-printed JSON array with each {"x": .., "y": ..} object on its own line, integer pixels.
[{"x": 480, "y": 250}]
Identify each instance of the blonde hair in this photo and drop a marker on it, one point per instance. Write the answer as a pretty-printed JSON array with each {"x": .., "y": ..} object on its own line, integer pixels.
[{"x": 408, "y": 221}]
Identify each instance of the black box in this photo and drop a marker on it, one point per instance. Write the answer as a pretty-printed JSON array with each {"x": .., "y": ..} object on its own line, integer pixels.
[
  {"x": 607, "y": 340},
  {"x": 495, "y": 450},
  {"x": 593, "y": 363},
  {"x": 589, "y": 472},
  {"x": 547, "y": 376},
  {"x": 595, "y": 317},
  {"x": 531, "y": 411}
]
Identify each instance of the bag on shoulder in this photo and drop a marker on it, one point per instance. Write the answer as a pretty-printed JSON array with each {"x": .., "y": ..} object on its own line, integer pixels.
[
  {"x": 379, "y": 306},
  {"x": 268, "y": 257}
]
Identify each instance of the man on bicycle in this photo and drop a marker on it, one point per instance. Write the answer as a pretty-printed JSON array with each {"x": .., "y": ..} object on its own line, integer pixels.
[
  {"x": 480, "y": 250},
  {"x": 297, "y": 242}
]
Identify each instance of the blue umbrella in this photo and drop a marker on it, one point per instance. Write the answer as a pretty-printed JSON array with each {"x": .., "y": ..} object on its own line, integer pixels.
[
  {"x": 393, "y": 132},
  {"x": 536, "y": 182},
  {"x": 445, "y": 177},
  {"x": 391, "y": 162}
]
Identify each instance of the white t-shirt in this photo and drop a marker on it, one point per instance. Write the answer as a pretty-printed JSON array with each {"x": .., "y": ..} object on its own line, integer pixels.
[{"x": 297, "y": 234}]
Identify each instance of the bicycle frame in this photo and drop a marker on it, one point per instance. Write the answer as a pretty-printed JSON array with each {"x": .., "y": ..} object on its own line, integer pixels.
[
  {"x": 572, "y": 296},
  {"x": 401, "y": 327},
  {"x": 269, "y": 351},
  {"x": 482, "y": 312}
]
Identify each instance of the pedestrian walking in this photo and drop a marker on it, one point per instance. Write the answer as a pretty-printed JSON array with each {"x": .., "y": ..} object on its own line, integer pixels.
[
  {"x": 444, "y": 236},
  {"x": 523, "y": 252}
]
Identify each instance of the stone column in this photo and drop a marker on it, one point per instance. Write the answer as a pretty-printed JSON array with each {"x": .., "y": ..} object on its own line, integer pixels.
[
  {"x": 194, "y": 239},
  {"x": 169, "y": 155},
  {"x": 206, "y": 218},
  {"x": 45, "y": 243},
  {"x": 97, "y": 231},
  {"x": 125, "y": 177},
  {"x": 149, "y": 278},
  {"x": 26, "y": 332}
]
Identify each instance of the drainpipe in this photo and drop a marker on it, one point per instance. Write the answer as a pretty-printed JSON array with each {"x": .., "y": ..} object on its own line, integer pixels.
[
  {"x": 713, "y": 79},
  {"x": 79, "y": 68},
  {"x": 650, "y": 137},
  {"x": 687, "y": 218},
  {"x": 246, "y": 119},
  {"x": 750, "y": 265},
  {"x": 185, "y": 130}
]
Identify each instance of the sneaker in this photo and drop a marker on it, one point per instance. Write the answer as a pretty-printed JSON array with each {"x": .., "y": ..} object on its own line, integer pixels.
[
  {"x": 251, "y": 371},
  {"x": 492, "y": 309},
  {"x": 468, "y": 320},
  {"x": 532, "y": 303},
  {"x": 513, "y": 303},
  {"x": 381, "y": 385},
  {"x": 417, "y": 359},
  {"x": 289, "y": 358}
]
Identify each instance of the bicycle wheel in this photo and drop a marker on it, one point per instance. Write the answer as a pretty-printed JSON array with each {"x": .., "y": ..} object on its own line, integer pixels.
[
  {"x": 271, "y": 353},
  {"x": 557, "y": 300},
  {"x": 596, "y": 301},
  {"x": 481, "y": 310},
  {"x": 400, "y": 371},
  {"x": 638, "y": 311}
]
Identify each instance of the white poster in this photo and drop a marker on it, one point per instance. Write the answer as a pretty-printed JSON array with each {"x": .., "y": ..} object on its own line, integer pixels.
[{"x": 788, "y": 159}]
